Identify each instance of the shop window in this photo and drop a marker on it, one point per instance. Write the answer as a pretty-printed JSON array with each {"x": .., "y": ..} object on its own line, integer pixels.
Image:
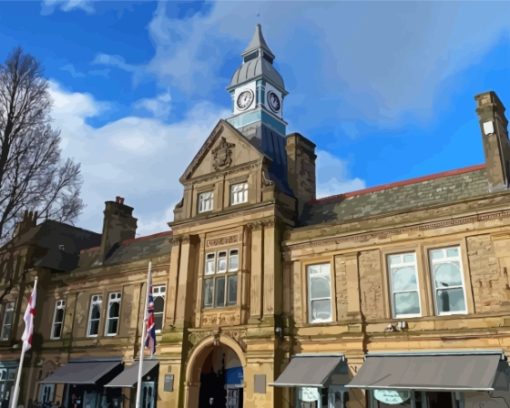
[
  {"x": 447, "y": 280},
  {"x": 46, "y": 392},
  {"x": 205, "y": 201},
  {"x": 319, "y": 293},
  {"x": 7, "y": 321},
  {"x": 94, "y": 315},
  {"x": 238, "y": 193},
  {"x": 405, "y": 294},
  {"x": 158, "y": 295},
  {"x": 113, "y": 314},
  {"x": 220, "y": 278},
  {"x": 58, "y": 319}
]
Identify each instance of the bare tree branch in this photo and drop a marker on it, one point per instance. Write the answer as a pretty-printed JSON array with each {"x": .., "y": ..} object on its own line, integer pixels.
[{"x": 33, "y": 176}]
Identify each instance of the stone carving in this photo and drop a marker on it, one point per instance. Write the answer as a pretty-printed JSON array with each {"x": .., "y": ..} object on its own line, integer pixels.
[
  {"x": 222, "y": 154},
  {"x": 214, "y": 242}
]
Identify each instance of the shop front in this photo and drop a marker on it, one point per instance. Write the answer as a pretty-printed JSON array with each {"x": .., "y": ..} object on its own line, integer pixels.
[
  {"x": 127, "y": 383},
  {"x": 8, "y": 370},
  {"x": 445, "y": 379},
  {"x": 318, "y": 380},
  {"x": 84, "y": 382}
]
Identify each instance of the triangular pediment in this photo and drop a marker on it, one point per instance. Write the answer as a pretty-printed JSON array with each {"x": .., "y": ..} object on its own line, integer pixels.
[{"x": 225, "y": 148}]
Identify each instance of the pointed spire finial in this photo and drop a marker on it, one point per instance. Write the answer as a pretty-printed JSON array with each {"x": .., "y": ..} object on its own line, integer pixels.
[{"x": 258, "y": 43}]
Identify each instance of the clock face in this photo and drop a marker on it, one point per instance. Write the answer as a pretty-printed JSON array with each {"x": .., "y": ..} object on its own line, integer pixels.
[
  {"x": 274, "y": 101},
  {"x": 245, "y": 99}
]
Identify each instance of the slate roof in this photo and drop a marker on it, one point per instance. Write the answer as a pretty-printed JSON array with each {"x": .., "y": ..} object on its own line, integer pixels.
[
  {"x": 59, "y": 243},
  {"x": 437, "y": 189},
  {"x": 129, "y": 251}
]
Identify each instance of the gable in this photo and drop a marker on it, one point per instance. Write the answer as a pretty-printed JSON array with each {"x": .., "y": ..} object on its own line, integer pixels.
[{"x": 225, "y": 148}]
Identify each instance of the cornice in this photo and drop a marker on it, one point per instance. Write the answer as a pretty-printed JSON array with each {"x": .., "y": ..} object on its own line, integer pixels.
[{"x": 389, "y": 232}]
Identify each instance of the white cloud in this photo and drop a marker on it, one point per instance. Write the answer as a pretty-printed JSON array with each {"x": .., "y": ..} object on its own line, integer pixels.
[
  {"x": 159, "y": 106},
  {"x": 116, "y": 61},
  {"x": 374, "y": 61},
  {"x": 333, "y": 176},
  {"x": 138, "y": 158},
  {"x": 49, "y": 6}
]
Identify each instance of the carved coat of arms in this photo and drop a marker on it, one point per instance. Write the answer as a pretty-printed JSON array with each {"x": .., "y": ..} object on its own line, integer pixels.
[{"x": 222, "y": 154}]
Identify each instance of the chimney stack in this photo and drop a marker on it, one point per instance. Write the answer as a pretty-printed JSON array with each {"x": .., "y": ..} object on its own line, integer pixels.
[
  {"x": 118, "y": 225},
  {"x": 301, "y": 168},
  {"x": 496, "y": 146},
  {"x": 28, "y": 221}
]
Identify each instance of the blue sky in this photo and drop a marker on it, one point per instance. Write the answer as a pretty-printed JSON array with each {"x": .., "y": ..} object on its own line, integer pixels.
[{"x": 385, "y": 89}]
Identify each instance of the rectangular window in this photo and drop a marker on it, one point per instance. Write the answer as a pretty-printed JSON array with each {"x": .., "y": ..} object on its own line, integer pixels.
[
  {"x": 319, "y": 293},
  {"x": 232, "y": 290},
  {"x": 222, "y": 262},
  {"x": 210, "y": 266},
  {"x": 159, "y": 294},
  {"x": 205, "y": 201},
  {"x": 94, "y": 315},
  {"x": 220, "y": 287},
  {"x": 7, "y": 321},
  {"x": 238, "y": 193},
  {"x": 208, "y": 292},
  {"x": 113, "y": 314},
  {"x": 447, "y": 280},
  {"x": 405, "y": 296},
  {"x": 233, "y": 260},
  {"x": 58, "y": 319}
]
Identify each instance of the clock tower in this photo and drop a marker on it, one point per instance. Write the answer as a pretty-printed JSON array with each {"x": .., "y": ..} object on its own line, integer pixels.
[{"x": 258, "y": 91}]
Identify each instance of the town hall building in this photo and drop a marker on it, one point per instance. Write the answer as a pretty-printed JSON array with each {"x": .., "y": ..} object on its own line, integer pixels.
[{"x": 265, "y": 296}]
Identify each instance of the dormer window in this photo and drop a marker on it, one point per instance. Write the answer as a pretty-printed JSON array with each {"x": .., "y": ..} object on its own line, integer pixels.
[
  {"x": 205, "y": 201},
  {"x": 238, "y": 193}
]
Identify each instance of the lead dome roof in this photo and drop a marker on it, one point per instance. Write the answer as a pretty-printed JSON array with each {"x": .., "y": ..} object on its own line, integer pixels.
[{"x": 257, "y": 63}]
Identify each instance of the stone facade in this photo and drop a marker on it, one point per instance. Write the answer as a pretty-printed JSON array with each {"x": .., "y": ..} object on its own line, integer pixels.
[{"x": 233, "y": 281}]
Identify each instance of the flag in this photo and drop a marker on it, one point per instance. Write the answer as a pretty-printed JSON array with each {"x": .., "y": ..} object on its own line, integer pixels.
[
  {"x": 150, "y": 323},
  {"x": 29, "y": 321}
]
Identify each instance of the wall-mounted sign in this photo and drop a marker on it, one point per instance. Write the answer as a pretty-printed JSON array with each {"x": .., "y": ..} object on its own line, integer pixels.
[
  {"x": 392, "y": 397},
  {"x": 169, "y": 382},
  {"x": 309, "y": 394}
]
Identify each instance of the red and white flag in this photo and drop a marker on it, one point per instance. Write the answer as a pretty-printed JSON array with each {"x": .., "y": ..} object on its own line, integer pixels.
[{"x": 29, "y": 320}]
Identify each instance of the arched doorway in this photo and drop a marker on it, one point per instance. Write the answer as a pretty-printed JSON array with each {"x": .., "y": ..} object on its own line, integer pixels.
[{"x": 215, "y": 375}]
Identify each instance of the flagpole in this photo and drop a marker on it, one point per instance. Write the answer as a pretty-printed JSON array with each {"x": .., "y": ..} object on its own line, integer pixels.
[
  {"x": 20, "y": 367},
  {"x": 142, "y": 341}
]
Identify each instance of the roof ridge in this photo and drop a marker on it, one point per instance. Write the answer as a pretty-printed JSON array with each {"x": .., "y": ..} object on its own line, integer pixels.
[
  {"x": 401, "y": 183},
  {"x": 151, "y": 236}
]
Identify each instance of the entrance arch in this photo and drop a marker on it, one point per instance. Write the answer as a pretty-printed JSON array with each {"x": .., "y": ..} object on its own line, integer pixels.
[{"x": 220, "y": 363}]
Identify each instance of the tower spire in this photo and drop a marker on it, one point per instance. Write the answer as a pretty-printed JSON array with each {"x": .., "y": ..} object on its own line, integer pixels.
[{"x": 258, "y": 47}]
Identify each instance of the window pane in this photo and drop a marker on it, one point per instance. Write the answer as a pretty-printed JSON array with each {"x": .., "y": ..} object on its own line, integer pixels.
[
  {"x": 114, "y": 310},
  {"x": 403, "y": 278},
  {"x": 320, "y": 287},
  {"x": 406, "y": 303},
  {"x": 409, "y": 258},
  {"x": 56, "y": 330},
  {"x": 59, "y": 317},
  {"x": 233, "y": 263},
  {"x": 219, "y": 292},
  {"x": 232, "y": 290},
  {"x": 94, "y": 327},
  {"x": 452, "y": 252},
  {"x": 96, "y": 312},
  {"x": 321, "y": 310},
  {"x": 112, "y": 326},
  {"x": 209, "y": 264},
  {"x": 451, "y": 300},
  {"x": 222, "y": 262},
  {"x": 159, "y": 306},
  {"x": 447, "y": 274},
  {"x": 208, "y": 292},
  {"x": 436, "y": 254}
]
